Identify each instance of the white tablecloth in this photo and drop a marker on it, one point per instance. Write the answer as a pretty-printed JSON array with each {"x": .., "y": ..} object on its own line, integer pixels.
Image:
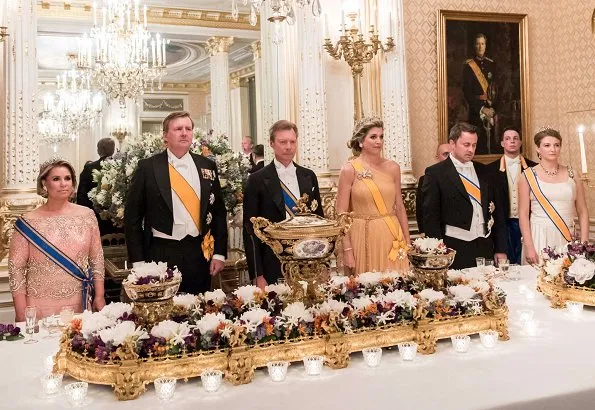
[{"x": 553, "y": 370}]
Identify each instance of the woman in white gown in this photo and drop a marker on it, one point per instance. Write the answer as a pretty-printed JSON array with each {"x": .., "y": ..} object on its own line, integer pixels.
[{"x": 550, "y": 196}]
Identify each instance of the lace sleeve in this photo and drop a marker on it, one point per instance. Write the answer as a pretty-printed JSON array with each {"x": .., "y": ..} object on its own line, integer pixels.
[
  {"x": 96, "y": 251},
  {"x": 18, "y": 259}
]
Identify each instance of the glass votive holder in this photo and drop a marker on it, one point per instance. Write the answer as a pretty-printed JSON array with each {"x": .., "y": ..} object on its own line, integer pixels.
[
  {"x": 575, "y": 308},
  {"x": 530, "y": 295},
  {"x": 461, "y": 343},
  {"x": 51, "y": 383},
  {"x": 531, "y": 328},
  {"x": 514, "y": 271},
  {"x": 76, "y": 393},
  {"x": 489, "y": 262},
  {"x": 313, "y": 365},
  {"x": 372, "y": 356},
  {"x": 66, "y": 315},
  {"x": 488, "y": 338},
  {"x": 525, "y": 315},
  {"x": 211, "y": 380},
  {"x": 277, "y": 370},
  {"x": 408, "y": 351},
  {"x": 480, "y": 261},
  {"x": 165, "y": 387},
  {"x": 48, "y": 364},
  {"x": 523, "y": 289}
]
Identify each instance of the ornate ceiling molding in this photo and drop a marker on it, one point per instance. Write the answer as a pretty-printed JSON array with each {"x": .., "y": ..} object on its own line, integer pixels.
[{"x": 68, "y": 10}]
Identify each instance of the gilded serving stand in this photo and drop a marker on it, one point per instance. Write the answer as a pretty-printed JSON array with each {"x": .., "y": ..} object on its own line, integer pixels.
[{"x": 560, "y": 292}]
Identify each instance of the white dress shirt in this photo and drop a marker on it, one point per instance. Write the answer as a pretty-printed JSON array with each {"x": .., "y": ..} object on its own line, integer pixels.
[
  {"x": 477, "y": 223},
  {"x": 513, "y": 170},
  {"x": 183, "y": 222},
  {"x": 287, "y": 175}
]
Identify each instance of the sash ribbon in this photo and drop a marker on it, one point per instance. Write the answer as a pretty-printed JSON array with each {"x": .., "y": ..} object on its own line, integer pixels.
[
  {"x": 186, "y": 193},
  {"x": 289, "y": 199},
  {"x": 545, "y": 203},
  {"x": 399, "y": 246},
  {"x": 471, "y": 188},
  {"x": 58, "y": 257}
]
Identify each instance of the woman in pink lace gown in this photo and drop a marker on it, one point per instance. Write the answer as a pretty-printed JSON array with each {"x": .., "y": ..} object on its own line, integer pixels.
[{"x": 34, "y": 279}]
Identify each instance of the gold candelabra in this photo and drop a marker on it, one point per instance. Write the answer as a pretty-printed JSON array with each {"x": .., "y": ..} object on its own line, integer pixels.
[
  {"x": 356, "y": 51},
  {"x": 120, "y": 134}
]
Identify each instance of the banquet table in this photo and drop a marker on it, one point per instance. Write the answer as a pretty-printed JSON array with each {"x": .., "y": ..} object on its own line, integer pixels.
[{"x": 553, "y": 369}]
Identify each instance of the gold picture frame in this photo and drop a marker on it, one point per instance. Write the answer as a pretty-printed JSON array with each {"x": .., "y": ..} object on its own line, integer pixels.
[{"x": 507, "y": 86}]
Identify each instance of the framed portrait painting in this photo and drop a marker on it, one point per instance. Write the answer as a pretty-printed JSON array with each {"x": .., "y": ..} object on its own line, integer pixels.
[{"x": 483, "y": 76}]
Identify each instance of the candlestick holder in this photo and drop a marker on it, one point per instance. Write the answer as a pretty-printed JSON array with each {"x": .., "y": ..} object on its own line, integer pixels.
[{"x": 356, "y": 51}]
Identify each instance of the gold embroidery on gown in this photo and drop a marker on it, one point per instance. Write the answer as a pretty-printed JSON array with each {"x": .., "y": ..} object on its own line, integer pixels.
[
  {"x": 45, "y": 284},
  {"x": 371, "y": 238}
]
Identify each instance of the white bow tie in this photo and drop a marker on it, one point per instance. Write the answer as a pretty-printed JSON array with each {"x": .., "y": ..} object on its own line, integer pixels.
[
  {"x": 513, "y": 161},
  {"x": 179, "y": 164},
  {"x": 468, "y": 165}
]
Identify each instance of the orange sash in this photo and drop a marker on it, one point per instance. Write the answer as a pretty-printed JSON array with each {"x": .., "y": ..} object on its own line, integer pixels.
[
  {"x": 399, "y": 246},
  {"x": 471, "y": 188},
  {"x": 478, "y": 73},
  {"x": 186, "y": 194},
  {"x": 546, "y": 204}
]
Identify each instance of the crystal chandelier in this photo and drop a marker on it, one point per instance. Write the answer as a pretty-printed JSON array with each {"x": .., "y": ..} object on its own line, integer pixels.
[
  {"x": 51, "y": 132},
  {"x": 75, "y": 107},
  {"x": 122, "y": 55},
  {"x": 282, "y": 10}
]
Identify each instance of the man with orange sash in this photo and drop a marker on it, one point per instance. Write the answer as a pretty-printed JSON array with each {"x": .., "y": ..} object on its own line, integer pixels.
[
  {"x": 174, "y": 210},
  {"x": 506, "y": 172},
  {"x": 479, "y": 85},
  {"x": 272, "y": 193},
  {"x": 459, "y": 203}
]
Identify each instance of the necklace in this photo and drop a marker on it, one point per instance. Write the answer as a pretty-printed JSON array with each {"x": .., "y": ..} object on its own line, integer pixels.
[{"x": 551, "y": 173}]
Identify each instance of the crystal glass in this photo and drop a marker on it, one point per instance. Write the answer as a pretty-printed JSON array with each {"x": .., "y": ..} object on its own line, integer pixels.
[
  {"x": 66, "y": 315},
  {"x": 574, "y": 308},
  {"x": 313, "y": 365},
  {"x": 48, "y": 364},
  {"x": 525, "y": 315},
  {"x": 52, "y": 324},
  {"x": 461, "y": 343},
  {"x": 372, "y": 356},
  {"x": 408, "y": 351},
  {"x": 480, "y": 261},
  {"x": 531, "y": 328},
  {"x": 165, "y": 388},
  {"x": 30, "y": 321},
  {"x": 51, "y": 383},
  {"x": 489, "y": 338},
  {"x": 514, "y": 271},
  {"x": 277, "y": 370},
  {"x": 76, "y": 393},
  {"x": 489, "y": 262},
  {"x": 504, "y": 264},
  {"x": 211, "y": 380}
]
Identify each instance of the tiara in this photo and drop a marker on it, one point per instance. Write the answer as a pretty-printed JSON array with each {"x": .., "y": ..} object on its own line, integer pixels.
[
  {"x": 547, "y": 127},
  {"x": 366, "y": 120},
  {"x": 51, "y": 161}
]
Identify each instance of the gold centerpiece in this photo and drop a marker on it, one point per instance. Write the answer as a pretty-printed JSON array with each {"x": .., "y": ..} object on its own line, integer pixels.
[
  {"x": 303, "y": 243},
  {"x": 430, "y": 260},
  {"x": 151, "y": 289}
]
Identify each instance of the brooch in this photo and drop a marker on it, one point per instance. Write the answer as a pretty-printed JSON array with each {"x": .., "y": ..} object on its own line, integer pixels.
[{"x": 366, "y": 173}]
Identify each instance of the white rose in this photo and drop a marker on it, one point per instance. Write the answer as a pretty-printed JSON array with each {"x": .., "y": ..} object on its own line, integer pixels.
[
  {"x": 217, "y": 296},
  {"x": 581, "y": 270},
  {"x": 431, "y": 295},
  {"x": 553, "y": 267}
]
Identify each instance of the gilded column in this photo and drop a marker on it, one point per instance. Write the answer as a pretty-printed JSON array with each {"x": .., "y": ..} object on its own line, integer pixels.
[
  {"x": 312, "y": 143},
  {"x": 256, "y": 51},
  {"x": 220, "y": 100},
  {"x": 19, "y": 146},
  {"x": 395, "y": 110}
]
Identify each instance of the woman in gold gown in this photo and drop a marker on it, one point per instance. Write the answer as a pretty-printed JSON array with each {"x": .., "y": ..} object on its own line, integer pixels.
[
  {"x": 370, "y": 187},
  {"x": 35, "y": 278}
]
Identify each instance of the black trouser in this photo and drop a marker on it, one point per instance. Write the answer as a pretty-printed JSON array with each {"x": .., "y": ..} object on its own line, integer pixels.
[
  {"x": 468, "y": 251},
  {"x": 187, "y": 255}
]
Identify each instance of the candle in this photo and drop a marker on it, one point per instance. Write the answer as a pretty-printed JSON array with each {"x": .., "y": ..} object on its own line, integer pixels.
[
  {"x": 359, "y": 21},
  {"x": 326, "y": 31},
  {"x": 94, "y": 14},
  {"x": 581, "y": 141},
  {"x": 343, "y": 21},
  {"x": 153, "y": 50},
  {"x": 145, "y": 15},
  {"x": 163, "y": 53},
  {"x": 125, "y": 265},
  {"x": 158, "y": 51},
  {"x": 104, "y": 16}
]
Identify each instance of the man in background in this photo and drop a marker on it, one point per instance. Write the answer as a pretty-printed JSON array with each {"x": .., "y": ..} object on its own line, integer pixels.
[
  {"x": 258, "y": 156},
  {"x": 105, "y": 149},
  {"x": 506, "y": 171},
  {"x": 247, "y": 149},
  {"x": 442, "y": 152}
]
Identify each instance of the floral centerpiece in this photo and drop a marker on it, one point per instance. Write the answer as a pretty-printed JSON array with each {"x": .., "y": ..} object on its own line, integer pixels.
[
  {"x": 430, "y": 246},
  {"x": 153, "y": 273},
  {"x": 113, "y": 179},
  {"x": 430, "y": 259},
  {"x": 10, "y": 332},
  {"x": 572, "y": 264},
  {"x": 251, "y": 316}
]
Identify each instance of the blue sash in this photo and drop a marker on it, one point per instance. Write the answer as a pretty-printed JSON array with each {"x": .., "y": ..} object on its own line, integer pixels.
[
  {"x": 58, "y": 257},
  {"x": 289, "y": 199}
]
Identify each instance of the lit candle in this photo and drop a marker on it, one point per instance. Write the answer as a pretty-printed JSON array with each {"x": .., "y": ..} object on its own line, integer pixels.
[
  {"x": 153, "y": 50},
  {"x": 359, "y": 21},
  {"x": 94, "y": 14},
  {"x": 326, "y": 33},
  {"x": 158, "y": 44},
  {"x": 163, "y": 53},
  {"x": 581, "y": 141}
]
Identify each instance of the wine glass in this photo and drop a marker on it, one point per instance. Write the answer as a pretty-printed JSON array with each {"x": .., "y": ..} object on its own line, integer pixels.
[{"x": 30, "y": 320}]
